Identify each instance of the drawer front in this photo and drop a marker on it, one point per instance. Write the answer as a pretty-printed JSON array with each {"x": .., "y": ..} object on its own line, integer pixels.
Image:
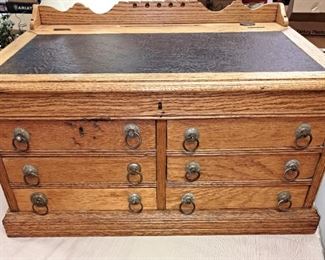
[
  {"x": 86, "y": 199},
  {"x": 76, "y": 135},
  {"x": 288, "y": 167},
  {"x": 29, "y": 171},
  {"x": 235, "y": 197},
  {"x": 238, "y": 133}
]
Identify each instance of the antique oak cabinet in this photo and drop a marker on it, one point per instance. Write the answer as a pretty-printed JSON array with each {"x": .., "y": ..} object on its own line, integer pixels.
[{"x": 161, "y": 118}]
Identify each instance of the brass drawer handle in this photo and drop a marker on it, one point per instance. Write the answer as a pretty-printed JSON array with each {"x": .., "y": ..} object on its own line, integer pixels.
[
  {"x": 284, "y": 201},
  {"x": 291, "y": 170},
  {"x": 21, "y": 139},
  {"x": 304, "y": 136},
  {"x": 135, "y": 204},
  {"x": 132, "y": 136},
  {"x": 39, "y": 201},
  {"x": 187, "y": 206},
  {"x": 134, "y": 170},
  {"x": 31, "y": 176},
  {"x": 191, "y": 140},
  {"x": 193, "y": 171}
]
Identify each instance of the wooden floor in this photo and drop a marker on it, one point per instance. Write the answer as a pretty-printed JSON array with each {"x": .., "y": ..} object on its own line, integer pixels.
[{"x": 306, "y": 247}]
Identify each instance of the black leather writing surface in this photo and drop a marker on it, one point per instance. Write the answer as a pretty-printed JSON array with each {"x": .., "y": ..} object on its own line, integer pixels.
[{"x": 160, "y": 53}]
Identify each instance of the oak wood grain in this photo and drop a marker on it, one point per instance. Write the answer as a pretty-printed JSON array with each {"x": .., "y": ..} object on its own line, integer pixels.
[
  {"x": 281, "y": 16},
  {"x": 233, "y": 197},
  {"x": 318, "y": 176},
  {"x": 86, "y": 199},
  {"x": 81, "y": 170},
  {"x": 172, "y": 12},
  {"x": 242, "y": 167},
  {"x": 302, "y": 221},
  {"x": 248, "y": 120},
  {"x": 78, "y": 153},
  {"x": 161, "y": 160},
  {"x": 9, "y": 194},
  {"x": 167, "y": 28},
  {"x": 243, "y": 152},
  {"x": 185, "y": 104},
  {"x": 197, "y": 82},
  {"x": 77, "y": 135},
  {"x": 245, "y": 133},
  {"x": 36, "y": 19},
  {"x": 238, "y": 184},
  {"x": 244, "y": 103},
  {"x": 100, "y": 107}
]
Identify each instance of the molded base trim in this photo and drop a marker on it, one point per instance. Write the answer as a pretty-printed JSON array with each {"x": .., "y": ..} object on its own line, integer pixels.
[{"x": 154, "y": 223}]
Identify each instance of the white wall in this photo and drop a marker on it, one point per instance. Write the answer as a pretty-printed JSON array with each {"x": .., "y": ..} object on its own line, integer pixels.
[
  {"x": 21, "y": 21},
  {"x": 99, "y": 6},
  {"x": 320, "y": 204}
]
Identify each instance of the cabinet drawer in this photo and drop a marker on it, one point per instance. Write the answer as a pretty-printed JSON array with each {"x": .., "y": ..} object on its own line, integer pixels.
[
  {"x": 235, "y": 197},
  {"x": 237, "y": 133},
  {"x": 86, "y": 199},
  {"x": 29, "y": 171},
  {"x": 76, "y": 135},
  {"x": 286, "y": 167}
]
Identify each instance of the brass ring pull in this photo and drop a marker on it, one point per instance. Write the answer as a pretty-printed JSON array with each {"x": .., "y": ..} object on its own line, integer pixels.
[
  {"x": 134, "y": 169},
  {"x": 284, "y": 201},
  {"x": 135, "y": 204},
  {"x": 303, "y": 132},
  {"x": 191, "y": 140},
  {"x": 291, "y": 170},
  {"x": 193, "y": 171},
  {"x": 20, "y": 140},
  {"x": 39, "y": 201},
  {"x": 132, "y": 132},
  {"x": 31, "y": 176},
  {"x": 187, "y": 206}
]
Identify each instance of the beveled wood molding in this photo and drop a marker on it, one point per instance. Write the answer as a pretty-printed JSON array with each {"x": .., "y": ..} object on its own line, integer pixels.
[
  {"x": 253, "y": 221},
  {"x": 4, "y": 183},
  {"x": 317, "y": 179},
  {"x": 159, "y": 12}
]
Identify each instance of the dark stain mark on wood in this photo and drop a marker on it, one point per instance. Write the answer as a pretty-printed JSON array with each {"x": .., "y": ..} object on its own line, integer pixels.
[{"x": 76, "y": 142}]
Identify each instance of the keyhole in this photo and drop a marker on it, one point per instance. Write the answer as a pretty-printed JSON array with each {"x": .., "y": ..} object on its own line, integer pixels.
[{"x": 81, "y": 131}]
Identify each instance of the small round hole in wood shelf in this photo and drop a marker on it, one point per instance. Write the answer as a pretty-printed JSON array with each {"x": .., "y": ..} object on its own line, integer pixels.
[
  {"x": 135, "y": 5},
  {"x": 159, "y": 5},
  {"x": 147, "y": 5},
  {"x": 182, "y": 4},
  {"x": 170, "y": 5}
]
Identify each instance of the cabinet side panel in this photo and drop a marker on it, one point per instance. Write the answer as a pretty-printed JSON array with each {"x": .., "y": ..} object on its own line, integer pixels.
[
  {"x": 10, "y": 196},
  {"x": 161, "y": 163},
  {"x": 319, "y": 172}
]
